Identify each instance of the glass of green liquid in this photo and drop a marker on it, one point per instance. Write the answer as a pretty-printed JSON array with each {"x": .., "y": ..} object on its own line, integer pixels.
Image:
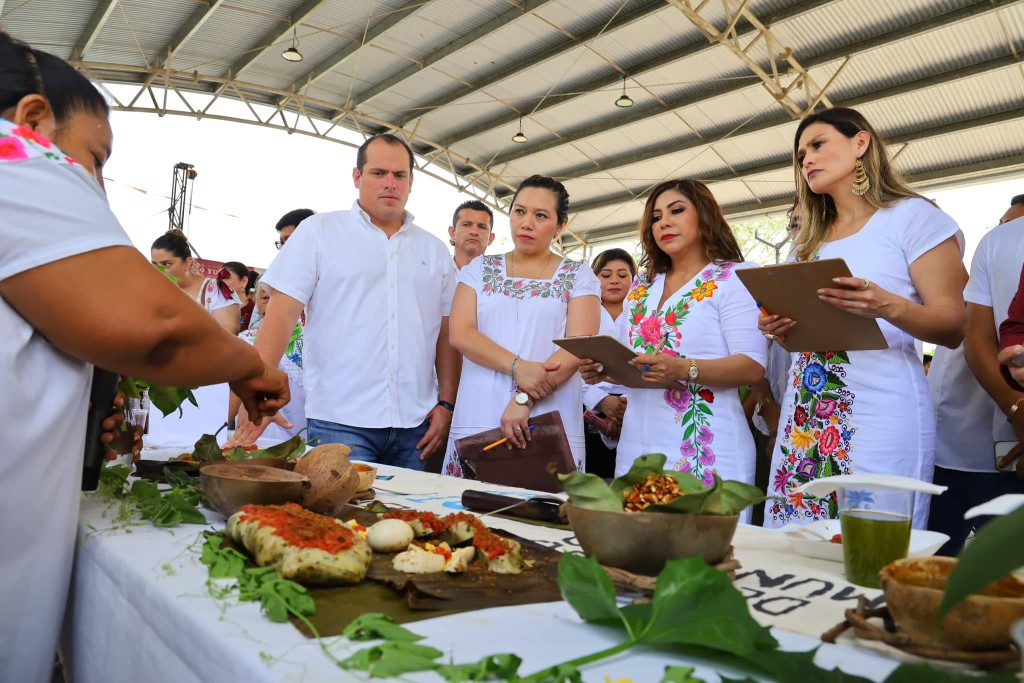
[{"x": 876, "y": 531}]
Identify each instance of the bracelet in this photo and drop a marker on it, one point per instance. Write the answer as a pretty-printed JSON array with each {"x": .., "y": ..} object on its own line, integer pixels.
[
  {"x": 513, "y": 371},
  {"x": 450, "y": 407},
  {"x": 1013, "y": 409}
]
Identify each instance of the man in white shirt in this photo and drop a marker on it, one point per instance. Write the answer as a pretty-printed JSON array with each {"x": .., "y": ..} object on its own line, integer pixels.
[
  {"x": 971, "y": 399},
  {"x": 471, "y": 231},
  {"x": 377, "y": 290}
]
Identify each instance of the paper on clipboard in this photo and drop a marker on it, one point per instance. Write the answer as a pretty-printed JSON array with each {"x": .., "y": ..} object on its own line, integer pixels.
[
  {"x": 614, "y": 356},
  {"x": 791, "y": 291}
]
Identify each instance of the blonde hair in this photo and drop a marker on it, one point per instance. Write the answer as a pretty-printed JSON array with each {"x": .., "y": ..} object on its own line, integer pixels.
[{"x": 818, "y": 211}]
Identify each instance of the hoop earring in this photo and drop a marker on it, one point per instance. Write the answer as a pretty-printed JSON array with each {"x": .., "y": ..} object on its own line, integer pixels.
[{"x": 861, "y": 182}]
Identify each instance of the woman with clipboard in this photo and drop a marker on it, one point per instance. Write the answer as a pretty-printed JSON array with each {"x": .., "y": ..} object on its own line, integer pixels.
[
  {"x": 848, "y": 411},
  {"x": 690, "y": 321}
]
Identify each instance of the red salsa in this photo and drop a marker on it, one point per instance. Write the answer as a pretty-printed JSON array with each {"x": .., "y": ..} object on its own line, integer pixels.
[
  {"x": 300, "y": 527},
  {"x": 490, "y": 544},
  {"x": 454, "y": 518},
  {"x": 429, "y": 520}
]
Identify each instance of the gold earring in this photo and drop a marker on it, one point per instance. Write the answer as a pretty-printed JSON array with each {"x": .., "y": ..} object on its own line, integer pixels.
[{"x": 861, "y": 182}]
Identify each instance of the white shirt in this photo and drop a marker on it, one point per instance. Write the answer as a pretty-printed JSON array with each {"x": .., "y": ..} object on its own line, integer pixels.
[
  {"x": 373, "y": 314},
  {"x": 49, "y": 210},
  {"x": 963, "y": 414},
  {"x": 995, "y": 274},
  {"x": 595, "y": 393}
]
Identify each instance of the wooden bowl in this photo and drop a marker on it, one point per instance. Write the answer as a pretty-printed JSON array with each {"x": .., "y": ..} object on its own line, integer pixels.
[
  {"x": 367, "y": 475},
  {"x": 913, "y": 590},
  {"x": 642, "y": 542},
  {"x": 227, "y": 487},
  {"x": 277, "y": 463}
]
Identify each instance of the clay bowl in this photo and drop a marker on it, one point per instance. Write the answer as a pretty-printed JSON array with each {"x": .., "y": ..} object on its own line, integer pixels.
[
  {"x": 642, "y": 542},
  {"x": 913, "y": 590},
  {"x": 277, "y": 463},
  {"x": 367, "y": 474},
  {"x": 227, "y": 487}
]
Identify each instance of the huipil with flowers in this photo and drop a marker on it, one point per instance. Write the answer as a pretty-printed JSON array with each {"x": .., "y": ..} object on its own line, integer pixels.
[
  {"x": 700, "y": 428},
  {"x": 863, "y": 412},
  {"x": 50, "y": 210},
  {"x": 523, "y": 316}
]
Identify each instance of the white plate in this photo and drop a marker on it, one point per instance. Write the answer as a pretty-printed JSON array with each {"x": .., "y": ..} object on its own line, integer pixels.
[{"x": 804, "y": 541}]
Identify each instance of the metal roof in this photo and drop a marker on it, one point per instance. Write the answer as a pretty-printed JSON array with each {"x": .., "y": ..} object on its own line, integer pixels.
[{"x": 717, "y": 86}]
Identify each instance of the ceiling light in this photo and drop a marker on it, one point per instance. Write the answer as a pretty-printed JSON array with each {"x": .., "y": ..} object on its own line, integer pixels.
[
  {"x": 292, "y": 54},
  {"x": 520, "y": 137},
  {"x": 624, "y": 99}
]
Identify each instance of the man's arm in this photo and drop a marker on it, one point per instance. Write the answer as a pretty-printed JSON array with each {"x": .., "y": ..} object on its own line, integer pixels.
[{"x": 448, "y": 363}]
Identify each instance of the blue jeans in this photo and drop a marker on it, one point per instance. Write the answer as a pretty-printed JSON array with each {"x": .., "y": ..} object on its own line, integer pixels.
[{"x": 386, "y": 445}]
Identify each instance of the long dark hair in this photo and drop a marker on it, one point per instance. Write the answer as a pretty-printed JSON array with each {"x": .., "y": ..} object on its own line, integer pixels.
[
  {"x": 19, "y": 74},
  {"x": 68, "y": 90},
  {"x": 715, "y": 234},
  {"x": 552, "y": 186},
  {"x": 175, "y": 242},
  {"x": 239, "y": 269}
]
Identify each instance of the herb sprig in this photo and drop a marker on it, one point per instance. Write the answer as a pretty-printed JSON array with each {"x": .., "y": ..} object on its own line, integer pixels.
[{"x": 162, "y": 508}]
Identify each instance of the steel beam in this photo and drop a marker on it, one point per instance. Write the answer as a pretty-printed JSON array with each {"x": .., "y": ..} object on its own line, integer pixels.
[
  {"x": 647, "y": 8},
  {"x": 495, "y": 24},
  {"x": 603, "y": 82},
  {"x": 618, "y": 119},
  {"x": 341, "y": 56},
  {"x": 271, "y": 39},
  {"x": 92, "y": 30},
  {"x": 189, "y": 28}
]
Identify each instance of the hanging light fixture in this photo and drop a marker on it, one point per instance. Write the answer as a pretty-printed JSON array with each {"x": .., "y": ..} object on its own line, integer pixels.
[
  {"x": 292, "y": 54},
  {"x": 624, "y": 99},
  {"x": 520, "y": 137}
]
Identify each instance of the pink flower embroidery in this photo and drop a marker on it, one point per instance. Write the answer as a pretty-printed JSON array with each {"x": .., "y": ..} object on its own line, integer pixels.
[
  {"x": 707, "y": 457},
  {"x": 709, "y": 477},
  {"x": 707, "y": 273},
  {"x": 12, "y": 149},
  {"x": 825, "y": 408},
  {"x": 687, "y": 449},
  {"x": 650, "y": 329},
  {"x": 829, "y": 441},
  {"x": 705, "y": 435},
  {"x": 678, "y": 399},
  {"x": 29, "y": 134}
]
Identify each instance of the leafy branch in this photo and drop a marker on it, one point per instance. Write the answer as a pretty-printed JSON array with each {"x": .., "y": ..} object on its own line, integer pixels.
[{"x": 167, "y": 508}]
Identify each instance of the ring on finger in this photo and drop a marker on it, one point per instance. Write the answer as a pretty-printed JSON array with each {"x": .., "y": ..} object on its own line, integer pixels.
[
  {"x": 769, "y": 335},
  {"x": 864, "y": 287}
]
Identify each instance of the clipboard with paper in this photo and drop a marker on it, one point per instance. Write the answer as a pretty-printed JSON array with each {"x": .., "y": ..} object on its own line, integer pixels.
[
  {"x": 790, "y": 290},
  {"x": 614, "y": 356}
]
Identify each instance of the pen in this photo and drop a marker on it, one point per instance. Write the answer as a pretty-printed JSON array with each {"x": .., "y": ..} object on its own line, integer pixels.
[
  {"x": 499, "y": 442},
  {"x": 661, "y": 345},
  {"x": 761, "y": 308}
]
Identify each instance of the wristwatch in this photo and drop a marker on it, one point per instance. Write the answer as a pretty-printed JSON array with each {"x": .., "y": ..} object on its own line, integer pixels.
[
  {"x": 523, "y": 399},
  {"x": 450, "y": 407},
  {"x": 692, "y": 374}
]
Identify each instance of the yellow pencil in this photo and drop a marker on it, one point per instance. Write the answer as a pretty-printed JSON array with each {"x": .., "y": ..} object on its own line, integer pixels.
[{"x": 499, "y": 442}]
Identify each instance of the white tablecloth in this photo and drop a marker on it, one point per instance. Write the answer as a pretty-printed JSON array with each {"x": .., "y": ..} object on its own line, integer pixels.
[{"x": 140, "y": 611}]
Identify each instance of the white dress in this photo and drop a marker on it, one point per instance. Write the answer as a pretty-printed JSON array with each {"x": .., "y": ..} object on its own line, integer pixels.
[
  {"x": 50, "y": 210},
  {"x": 861, "y": 411},
  {"x": 595, "y": 393},
  {"x": 702, "y": 429},
  {"x": 212, "y": 299},
  {"x": 522, "y": 316}
]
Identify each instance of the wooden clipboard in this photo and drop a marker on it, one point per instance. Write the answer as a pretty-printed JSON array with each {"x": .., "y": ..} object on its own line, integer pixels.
[
  {"x": 791, "y": 290},
  {"x": 614, "y": 356}
]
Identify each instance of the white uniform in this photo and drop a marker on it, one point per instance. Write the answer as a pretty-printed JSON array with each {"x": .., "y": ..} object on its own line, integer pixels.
[
  {"x": 50, "y": 209},
  {"x": 522, "y": 316}
]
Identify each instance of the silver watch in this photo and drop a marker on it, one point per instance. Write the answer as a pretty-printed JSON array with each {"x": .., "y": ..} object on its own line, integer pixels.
[{"x": 523, "y": 399}]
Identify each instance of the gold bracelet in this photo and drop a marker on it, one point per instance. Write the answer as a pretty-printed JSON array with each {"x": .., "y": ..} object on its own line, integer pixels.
[{"x": 1014, "y": 408}]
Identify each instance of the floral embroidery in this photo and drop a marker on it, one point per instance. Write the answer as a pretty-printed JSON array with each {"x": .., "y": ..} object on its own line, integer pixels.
[
  {"x": 655, "y": 331},
  {"x": 18, "y": 143},
  {"x": 817, "y": 438},
  {"x": 559, "y": 287}
]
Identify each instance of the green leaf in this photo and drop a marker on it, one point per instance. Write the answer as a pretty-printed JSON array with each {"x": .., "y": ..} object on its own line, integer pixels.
[
  {"x": 169, "y": 399},
  {"x": 207, "y": 449},
  {"x": 563, "y": 673},
  {"x": 590, "y": 491},
  {"x": 223, "y": 563},
  {"x": 375, "y": 625},
  {"x": 651, "y": 464},
  {"x": 841, "y": 357},
  {"x": 286, "y": 450},
  {"x": 995, "y": 552},
  {"x": 721, "y": 498},
  {"x": 588, "y": 590},
  {"x": 805, "y": 396},
  {"x": 914, "y": 673},
  {"x": 502, "y": 667},
  {"x": 688, "y": 432},
  {"x": 695, "y": 604},
  {"x": 143, "y": 490},
  {"x": 703, "y": 407},
  {"x": 680, "y": 674},
  {"x": 393, "y": 659}
]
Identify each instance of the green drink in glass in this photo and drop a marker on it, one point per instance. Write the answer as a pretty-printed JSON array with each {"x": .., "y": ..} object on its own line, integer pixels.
[{"x": 876, "y": 531}]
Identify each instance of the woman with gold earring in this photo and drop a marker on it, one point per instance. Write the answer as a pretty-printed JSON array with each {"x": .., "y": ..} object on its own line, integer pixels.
[{"x": 864, "y": 411}]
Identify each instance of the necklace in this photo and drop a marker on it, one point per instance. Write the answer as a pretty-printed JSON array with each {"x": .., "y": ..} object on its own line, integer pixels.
[{"x": 517, "y": 295}]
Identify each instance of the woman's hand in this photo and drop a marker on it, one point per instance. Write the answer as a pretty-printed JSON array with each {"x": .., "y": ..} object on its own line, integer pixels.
[
  {"x": 592, "y": 372},
  {"x": 661, "y": 367},
  {"x": 515, "y": 424},
  {"x": 1006, "y": 357},
  {"x": 112, "y": 429},
  {"x": 774, "y": 326},
  {"x": 613, "y": 407},
  {"x": 862, "y": 297},
  {"x": 532, "y": 377}
]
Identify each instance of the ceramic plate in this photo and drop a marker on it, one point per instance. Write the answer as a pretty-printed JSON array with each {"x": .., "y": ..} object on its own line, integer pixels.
[{"x": 805, "y": 540}]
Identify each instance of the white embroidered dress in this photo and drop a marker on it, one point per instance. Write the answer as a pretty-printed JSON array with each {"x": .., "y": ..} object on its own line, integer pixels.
[
  {"x": 702, "y": 429},
  {"x": 523, "y": 316}
]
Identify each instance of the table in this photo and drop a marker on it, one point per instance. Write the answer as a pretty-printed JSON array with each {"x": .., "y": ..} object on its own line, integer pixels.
[{"x": 139, "y": 609}]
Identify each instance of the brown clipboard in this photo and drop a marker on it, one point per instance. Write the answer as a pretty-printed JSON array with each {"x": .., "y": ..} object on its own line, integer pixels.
[
  {"x": 614, "y": 356},
  {"x": 791, "y": 290},
  {"x": 526, "y": 468}
]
